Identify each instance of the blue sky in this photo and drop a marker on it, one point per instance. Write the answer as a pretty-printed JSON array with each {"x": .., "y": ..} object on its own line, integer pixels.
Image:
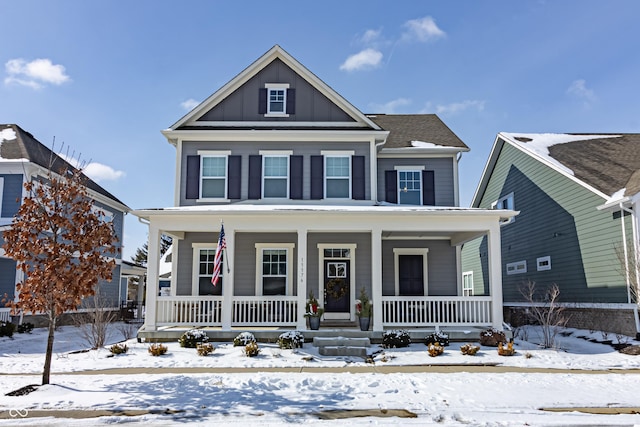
[{"x": 105, "y": 77}]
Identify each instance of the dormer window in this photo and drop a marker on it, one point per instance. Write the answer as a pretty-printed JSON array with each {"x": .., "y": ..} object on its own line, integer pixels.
[{"x": 276, "y": 100}]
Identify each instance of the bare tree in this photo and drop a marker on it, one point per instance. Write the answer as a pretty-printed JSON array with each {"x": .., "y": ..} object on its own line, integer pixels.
[
  {"x": 629, "y": 265},
  {"x": 94, "y": 324},
  {"x": 64, "y": 247},
  {"x": 545, "y": 310}
]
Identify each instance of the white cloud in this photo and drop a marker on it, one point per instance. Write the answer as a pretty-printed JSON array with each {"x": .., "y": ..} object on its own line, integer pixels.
[
  {"x": 423, "y": 30},
  {"x": 34, "y": 74},
  {"x": 189, "y": 104},
  {"x": 96, "y": 171},
  {"x": 368, "y": 58},
  {"x": 578, "y": 88},
  {"x": 390, "y": 107},
  {"x": 455, "y": 107},
  {"x": 370, "y": 36}
]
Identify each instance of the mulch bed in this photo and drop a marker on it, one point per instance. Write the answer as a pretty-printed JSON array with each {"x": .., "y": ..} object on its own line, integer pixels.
[
  {"x": 633, "y": 350},
  {"x": 23, "y": 390}
]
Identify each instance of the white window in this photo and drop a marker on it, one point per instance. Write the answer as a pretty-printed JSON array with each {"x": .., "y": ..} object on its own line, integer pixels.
[
  {"x": 277, "y": 99},
  {"x": 337, "y": 173},
  {"x": 507, "y": 203},
  {"x": 213, "y": 174},
  {"x": 275, "y": 175},
  {"x": 544, "y": 263},
  {"x": 273, "y": 269},
  {"x": 467, "y": 283},
  {"x": 409, "y": 187},
  {"x": 204, "y": 256},
  {"x": 517, "y": 267},
  {"x": 103, "y": 214}
]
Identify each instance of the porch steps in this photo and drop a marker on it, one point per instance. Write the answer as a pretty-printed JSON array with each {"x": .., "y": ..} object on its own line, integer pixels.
[{"x": 342, "y": 346}]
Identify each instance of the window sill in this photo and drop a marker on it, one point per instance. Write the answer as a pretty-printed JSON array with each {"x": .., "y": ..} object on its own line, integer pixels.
[
  {"x": 213, "y": 200},
  {"x": 276, "y": 115}
]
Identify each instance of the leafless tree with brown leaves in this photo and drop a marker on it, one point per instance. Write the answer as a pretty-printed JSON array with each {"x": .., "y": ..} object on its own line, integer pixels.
[{"x": 62, "y": 245}]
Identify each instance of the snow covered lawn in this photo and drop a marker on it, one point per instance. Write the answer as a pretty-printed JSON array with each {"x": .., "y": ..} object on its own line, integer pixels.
[{"x": 301, "y": 387}]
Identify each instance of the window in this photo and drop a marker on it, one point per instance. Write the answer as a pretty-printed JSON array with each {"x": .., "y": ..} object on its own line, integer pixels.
[
  {"x": 337, "y": 177},
  {"x": 467, "y": 283},
  {"x": 273, "y": 271},
  {"x": 275, "y": 176},
  {"x": 409, "y": 187},
  {"x": 517, "y": 267},
  {"x": 544, "y": 263},
  {"x": 204, "y": 262},
  {"x": 505, "y": 202},
  {"x": 213, "y": 174},
  {"x": 411, "y": 271},
  {"x": 103, "y": 214},
  {"x": 277, "y": 99}
]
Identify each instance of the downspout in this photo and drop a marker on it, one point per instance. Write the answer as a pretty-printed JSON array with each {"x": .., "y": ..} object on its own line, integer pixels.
[{"x": 626, "y": 253}]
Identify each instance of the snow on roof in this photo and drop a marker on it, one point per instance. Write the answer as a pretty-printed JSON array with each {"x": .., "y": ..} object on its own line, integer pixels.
[
  {"x": 422, "y": 144},
  {"x": 616, "y": 196},
  {"x": 539, "y": 143},
  {"x": 7, "y": 135}
]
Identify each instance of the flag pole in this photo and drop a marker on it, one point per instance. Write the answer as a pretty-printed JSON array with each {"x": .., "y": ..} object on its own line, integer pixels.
[{"x": 226, "y": 254}]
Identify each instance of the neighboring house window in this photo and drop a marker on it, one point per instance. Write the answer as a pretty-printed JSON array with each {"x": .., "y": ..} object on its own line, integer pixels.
[
  {"x": 214, "y": 177},
  {"x": 275, "y": 177},
  {"x": 409, "y": 187},
  {"x": 506, "y": 203},
  {"x": 337, "y": 172},
  {"x": 544, "y": 263},
  {"x": 467, "y": 283},
  {"x": 273, "y": 269},
  {"x": 517, "y": 267},
  {"x": 204, "y": 261}
]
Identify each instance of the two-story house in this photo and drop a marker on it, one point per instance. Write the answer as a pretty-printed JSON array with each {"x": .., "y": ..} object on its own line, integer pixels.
[
  {"x": 23, "y": 159},
  {"x": 315, "y": 196},
  {"x": 577, "y": 227}
]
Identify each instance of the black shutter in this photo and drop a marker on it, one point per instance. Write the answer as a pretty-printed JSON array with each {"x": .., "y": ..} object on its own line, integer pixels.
[
  {"x": 295, "y": 177},
  {"x": 291, "y": 101},
  {"x": 391, "y": 186},
  {"x": 255, "y": 177},
  {"x": 357, "y": 177},
  {"x": 193, "y": 177},
  {"x": 235, "y": 177},
  {"x": 317, "y": 177},
  {"x": 428, "y": 188},
  {"x": 262, "y": 101}
]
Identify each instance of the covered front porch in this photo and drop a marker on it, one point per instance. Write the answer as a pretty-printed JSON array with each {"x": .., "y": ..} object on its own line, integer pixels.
[{"x": 367, "y": 241}]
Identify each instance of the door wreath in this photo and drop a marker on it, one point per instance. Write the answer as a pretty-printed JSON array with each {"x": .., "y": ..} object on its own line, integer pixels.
[{"x": 336, "y": 288}]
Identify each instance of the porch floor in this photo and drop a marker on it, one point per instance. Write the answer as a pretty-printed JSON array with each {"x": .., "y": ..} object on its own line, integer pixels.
[{"x": 271, "y": 334}]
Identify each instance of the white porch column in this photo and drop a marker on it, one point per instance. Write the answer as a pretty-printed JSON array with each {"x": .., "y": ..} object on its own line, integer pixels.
[
  {"x": 302, "y": 278},
  {"x": 376, "y": 277},
  {"x": 495, "y": 275},
  {"x": 228, "y": 279},
  {"x": 153, "y": 261}
]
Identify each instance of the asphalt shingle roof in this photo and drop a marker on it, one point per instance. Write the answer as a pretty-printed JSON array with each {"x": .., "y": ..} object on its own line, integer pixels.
[{"x": 404, "y": 128}]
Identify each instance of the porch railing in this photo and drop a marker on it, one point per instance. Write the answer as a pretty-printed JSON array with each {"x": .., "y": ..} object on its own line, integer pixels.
[
  {"x": 5, "y": 314},
  {"x": 189, "y": 310},
  {"x": 264, "y": 310},
  {"x": 436, "y": 311}
]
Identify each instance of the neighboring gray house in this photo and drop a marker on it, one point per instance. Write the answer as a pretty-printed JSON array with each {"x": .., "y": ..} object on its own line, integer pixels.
[
  {"x": 317, "y": 197},
  {"x": 22, "y": 159},
  {"x": 569, "y": 190}
]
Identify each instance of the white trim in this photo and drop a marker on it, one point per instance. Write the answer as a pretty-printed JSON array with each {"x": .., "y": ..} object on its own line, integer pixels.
[
  {"x": 510, "y": 199},
  {"x": 276, "y": 152},
  {"x": 466, "y": 274},
  {"x": 352, "y": 279},
  {"x": 277, "y": 85},
  {"x": 286, "y": 177},
  {"x": 1, "y": 194},
  {"x": 409, "y": 168},
  {"x": 195, "y": 270},
  {"x": 577, "y": 305},
  {"x": 518, "y": 267},
  {"x": 543, "y": 263},
  {"x": 213, "y": 154},
  {"x": 289, "y": 248},
  {"x": 397, "y": 252},
  {"x": 399, "y": 190},
  {"x": 338, "y": 153}
]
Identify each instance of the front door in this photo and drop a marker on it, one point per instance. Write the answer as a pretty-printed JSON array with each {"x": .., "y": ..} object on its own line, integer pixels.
[
  {"x": 411, "y": 275},
  {"x": 337, "y": 289}
]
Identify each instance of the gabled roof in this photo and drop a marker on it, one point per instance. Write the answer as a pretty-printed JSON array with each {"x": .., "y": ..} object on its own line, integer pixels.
[
  {"x": 607, "y": 164},
  {"x": 408, "y": 130},
  {"x": 17, "y": 144},
  {"x": 276, "y": 52}
]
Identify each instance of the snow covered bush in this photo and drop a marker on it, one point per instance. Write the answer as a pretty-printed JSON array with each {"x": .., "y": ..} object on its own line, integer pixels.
[
  {"x": 192, "y": 338},
  {"x": 469, "y": 349},
  {"x": 438, "y": 337},
  {"x": 395, "y": 338},
  {"x": 290, "y": 340},
  {"x": 25, "y": 328},
  {"x": 435, "y": 349},
  {"x": 251, "y": 349},
  {"x": 492, "y": 337},
  {"x": 6, "y": 329},
  {"x": 243, "y": 339},
  {"x": 157, "y": 349}
]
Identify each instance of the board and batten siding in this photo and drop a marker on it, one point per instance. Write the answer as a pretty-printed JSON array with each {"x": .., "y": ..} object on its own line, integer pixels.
[
  {"x": 558, "y": 218},
  {"x": 443, "y": 176},
  {"x": 305, "y": 149},
  {"x": 243, "y": 103}
]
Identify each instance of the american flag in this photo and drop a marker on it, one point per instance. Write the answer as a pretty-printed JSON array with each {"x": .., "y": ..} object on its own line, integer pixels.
[{"x": 222, "y": 244}]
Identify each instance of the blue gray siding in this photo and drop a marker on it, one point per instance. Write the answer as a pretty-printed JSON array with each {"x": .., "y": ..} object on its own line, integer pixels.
[
  {"x": 11, "y": 194},
  {"x": 7, "y": 278}
]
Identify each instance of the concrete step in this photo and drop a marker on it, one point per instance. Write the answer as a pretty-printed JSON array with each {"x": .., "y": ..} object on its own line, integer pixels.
[
  {"x": 341, "y": 342},
  {"x": 342, "y": 351}
]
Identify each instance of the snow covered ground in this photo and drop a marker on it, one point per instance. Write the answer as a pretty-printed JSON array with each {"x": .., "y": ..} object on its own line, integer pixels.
[{"x": 301, "y": 387}]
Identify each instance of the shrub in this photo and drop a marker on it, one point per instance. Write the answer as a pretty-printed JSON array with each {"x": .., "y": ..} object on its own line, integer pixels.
[
  {"x": 204, "y": 349},
  {"x": 25, "y": 328},
  {"x": 243, "y": 339},
  {"x": 438, "y": 337},
  {"x": 192, "y": 338},
  {"x": 492, "y": 337},
  {"x": 395, "y": 339},
  {"x": 119, "y": 348},
  {"x": 469, "y": 349},
  {"x": 251, "y": 349},
  {"x": 435, "y": 349},
  {"x": 157, "y": 349},
  {"x": 290, "y": 340},
  {"x": 506, "y": 351},
  {"x": 6, "y": 329}
]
